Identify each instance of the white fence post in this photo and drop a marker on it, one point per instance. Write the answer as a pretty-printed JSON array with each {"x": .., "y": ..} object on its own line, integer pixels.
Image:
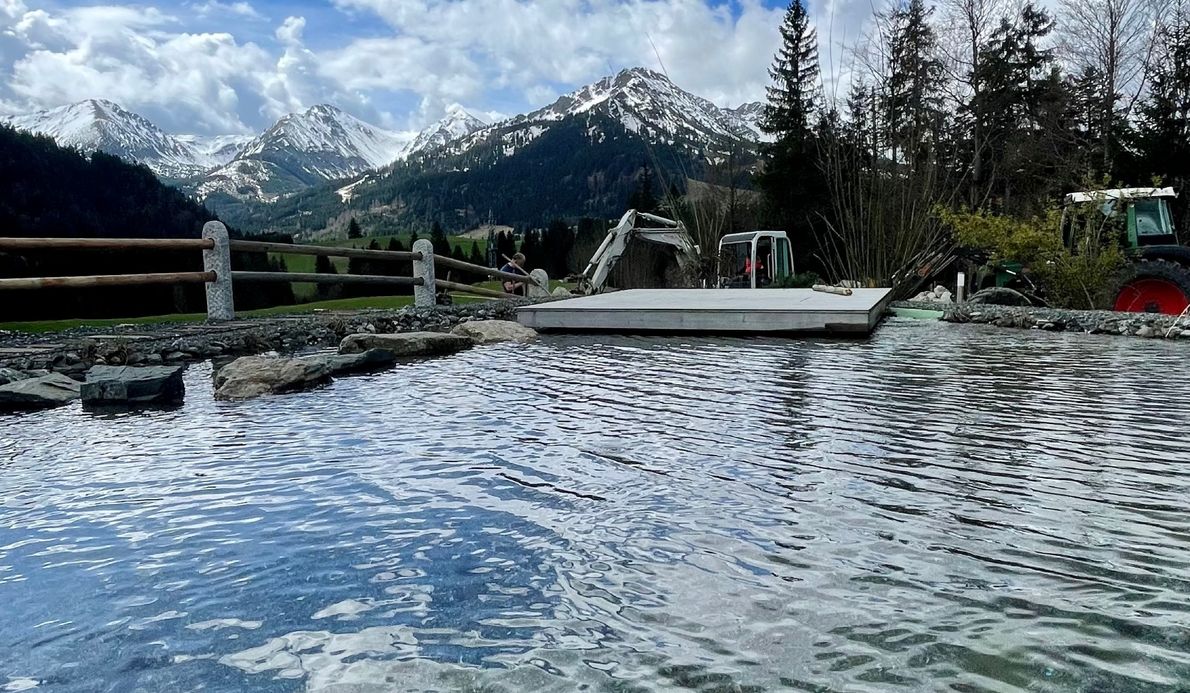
[
  {"x": 424, "y": 294},
  {"x": 537, "y": 287},
  {"x": 220, "y": 301}
]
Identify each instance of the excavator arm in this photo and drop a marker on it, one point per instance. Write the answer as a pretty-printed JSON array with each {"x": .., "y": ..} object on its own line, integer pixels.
[{"x": 664, "y": 231}]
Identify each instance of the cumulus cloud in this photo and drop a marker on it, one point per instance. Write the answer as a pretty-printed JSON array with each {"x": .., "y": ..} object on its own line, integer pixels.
[
  {"x": 213, "y": 66},
  {"x": 237, "y": 9},
  {"x": 721, "y": 52}
]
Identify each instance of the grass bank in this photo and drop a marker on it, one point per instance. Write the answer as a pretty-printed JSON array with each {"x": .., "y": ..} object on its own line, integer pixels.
[{"x": 373, "y": 302}]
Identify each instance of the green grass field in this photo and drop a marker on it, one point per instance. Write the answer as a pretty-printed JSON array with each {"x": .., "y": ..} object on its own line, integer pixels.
[
  {"x": 305, "y": 263},
  {"x": 373, "y": 302}
]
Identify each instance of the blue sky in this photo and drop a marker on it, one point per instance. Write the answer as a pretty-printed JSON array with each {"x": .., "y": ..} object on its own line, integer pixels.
[{"x": 224, "y": 66}]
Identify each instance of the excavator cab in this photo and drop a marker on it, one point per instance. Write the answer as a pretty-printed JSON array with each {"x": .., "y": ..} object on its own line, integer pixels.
[{"x": 754, "y": 260}]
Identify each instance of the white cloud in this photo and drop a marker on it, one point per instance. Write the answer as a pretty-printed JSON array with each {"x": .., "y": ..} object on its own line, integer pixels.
[
  {"x": 214, "y": 67},
  {"x": 215, "y": 8},
  {"x": 533, "y": 46}
]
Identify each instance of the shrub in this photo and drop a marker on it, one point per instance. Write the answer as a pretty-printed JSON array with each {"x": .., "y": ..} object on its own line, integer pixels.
[{"x": 1083, "y": 275}]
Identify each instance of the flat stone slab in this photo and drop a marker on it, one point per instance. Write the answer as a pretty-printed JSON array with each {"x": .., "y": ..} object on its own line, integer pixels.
[
  {"x": 406, "y": 343},
  {"x": 124, "y": 385},
  {"x": 742, "y": 311},
  {"x": 494, "y": 331},
  {"x": 253, "y": 376},
  {"x": 44, "y": 392}
]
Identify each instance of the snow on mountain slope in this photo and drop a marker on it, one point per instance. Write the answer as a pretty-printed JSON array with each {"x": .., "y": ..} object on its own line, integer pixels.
[
  {"x": 219, "y": 149},
  {"x": 644, "y": 102},
  {"x": 322, "y": 144},
  {"x": 457, "y": 123},
  {"x": 302, "y": 149},
  {"x": 337, "y": 143},
  {"x": 105, "y": 126},
  {"x": 747, "y": 119}
]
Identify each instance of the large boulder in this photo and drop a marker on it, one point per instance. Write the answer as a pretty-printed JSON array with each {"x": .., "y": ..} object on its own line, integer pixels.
[
  {"x": 370, "y": 360},
  {"x": 9, "y": 375},
  {"x": 253, "y": 376},
  {"x": 44, "y": 392},
  {"x": 406, "y": 343},
  {"x": 493, "y": 331},
  {"x": 123, "y": 385}
]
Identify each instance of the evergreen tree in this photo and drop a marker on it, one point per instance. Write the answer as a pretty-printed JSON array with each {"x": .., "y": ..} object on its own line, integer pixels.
[
  {"x": 413, "y": 238},
  {"x": 793, "y": 97},
  {"x": 556, "y": 242},
  {"x": 642, "y": 198},
  {"x": 531, "y": 248},
  {"x": 353, "y": 230},
  {"x": 394, "y": 245},
  {"x": 792, "y": 179},
  {"x": 913, "y": 100},
  {"x": 477, "y": 257},
  {"x": 323, "y": 265},
  {"x": 1021, "y": 93},
  {"x": 439, "y": 239},
  {"x": 1164, "y": 132},
  {"x": 506, "y": 246}
]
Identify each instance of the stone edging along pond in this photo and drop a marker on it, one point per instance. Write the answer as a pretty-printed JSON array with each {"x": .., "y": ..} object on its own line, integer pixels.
[{"x": 1146, "y": 325}]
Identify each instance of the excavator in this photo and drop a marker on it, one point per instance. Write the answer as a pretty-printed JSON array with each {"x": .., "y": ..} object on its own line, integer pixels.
[{"x": 753, "y": 259}]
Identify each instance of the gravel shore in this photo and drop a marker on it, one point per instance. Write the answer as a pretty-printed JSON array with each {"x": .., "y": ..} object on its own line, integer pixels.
[
  {"x": 1146, "y": 325},
  {"x": 74, "y": 351}
]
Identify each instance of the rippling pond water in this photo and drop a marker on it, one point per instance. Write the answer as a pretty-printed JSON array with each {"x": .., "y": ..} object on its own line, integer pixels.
[{"x": 936, "y": 508}]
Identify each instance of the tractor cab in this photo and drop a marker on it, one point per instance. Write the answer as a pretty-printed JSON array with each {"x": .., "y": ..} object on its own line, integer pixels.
[
  {"x": 754, "y": 259},
  {"x": 1157, "y": 277},
  {"x": 1145, "y": 213}
]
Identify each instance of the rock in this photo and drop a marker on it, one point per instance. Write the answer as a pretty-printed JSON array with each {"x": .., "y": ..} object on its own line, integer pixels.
[
  {"x": 1145, "y": 331},
  {"x": 154, "y": 359},
  {"x": 370, "y": 360},
  {"x": 10, "y": 375},
  {"x": 252, "y": 376},
  {"x": 133, "y": 385},
  {"x": 53, "y": 390},
  {"x": 493, "y": 331},
  {"x": 560, "y": 291},
  {"x": 406, "y": 343},
  {"x": 175, "y": 356}
]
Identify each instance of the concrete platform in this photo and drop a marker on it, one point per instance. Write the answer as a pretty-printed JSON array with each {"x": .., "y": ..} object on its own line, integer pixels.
[{"x": 744, "y": 311}]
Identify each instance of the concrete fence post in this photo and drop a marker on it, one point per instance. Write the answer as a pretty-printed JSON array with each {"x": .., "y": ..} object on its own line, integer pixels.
[
  {"x": 220, "y": 301},
  {"x": 423, "y": 295},
  {"x": 540, "y": 280}
]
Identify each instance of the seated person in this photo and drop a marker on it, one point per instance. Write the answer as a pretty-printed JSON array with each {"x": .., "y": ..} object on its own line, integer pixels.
[{"x": 515, "y": 266}]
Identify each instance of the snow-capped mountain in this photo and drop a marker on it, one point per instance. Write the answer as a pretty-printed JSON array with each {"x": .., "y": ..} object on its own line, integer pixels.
[
  {"x": 322, "y": 144},
  {"x": 105, "y": 126},
  {"x": 457, "y": 123},
  {"x": 746, "y": 118},
  {"x": 643, "y": 102},
  {"x": 219, "y": 149}
]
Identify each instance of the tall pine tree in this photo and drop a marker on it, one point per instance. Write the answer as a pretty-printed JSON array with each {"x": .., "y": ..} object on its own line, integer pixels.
[
  {"x": 1164, "y": 135},
  {"x": 792, "y": 178},
  {"x": 913, "y": 98}
]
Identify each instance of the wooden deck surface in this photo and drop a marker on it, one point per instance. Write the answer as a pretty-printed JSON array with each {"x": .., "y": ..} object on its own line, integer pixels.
[{"x": 746, "y": 311}]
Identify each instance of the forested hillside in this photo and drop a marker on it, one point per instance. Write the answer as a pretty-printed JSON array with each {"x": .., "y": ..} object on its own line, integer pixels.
[{"x": 46, "y": 190}]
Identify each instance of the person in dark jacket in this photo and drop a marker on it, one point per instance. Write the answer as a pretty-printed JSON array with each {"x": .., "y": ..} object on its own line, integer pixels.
[{"x": 515, "y": 266}]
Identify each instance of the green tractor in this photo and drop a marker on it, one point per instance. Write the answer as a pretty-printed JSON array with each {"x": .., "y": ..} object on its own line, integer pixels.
[{"x": 1158, "y": 278}]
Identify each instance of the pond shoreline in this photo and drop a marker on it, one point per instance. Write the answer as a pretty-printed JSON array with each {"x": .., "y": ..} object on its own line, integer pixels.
[
  {"x": 73, "y": 352},
  {"x": 1144, "y": 325}
]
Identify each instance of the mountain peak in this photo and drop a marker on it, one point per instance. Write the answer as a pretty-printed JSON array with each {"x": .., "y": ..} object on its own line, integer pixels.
[{"x": 103, "y": 125}]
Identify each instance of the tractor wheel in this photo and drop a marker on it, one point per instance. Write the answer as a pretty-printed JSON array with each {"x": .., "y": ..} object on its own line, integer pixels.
[{"x": 1154, "y": 286}]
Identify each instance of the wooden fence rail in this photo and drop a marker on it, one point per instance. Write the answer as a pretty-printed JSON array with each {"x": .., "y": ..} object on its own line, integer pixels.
[{"x": 218, "y": 276}]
